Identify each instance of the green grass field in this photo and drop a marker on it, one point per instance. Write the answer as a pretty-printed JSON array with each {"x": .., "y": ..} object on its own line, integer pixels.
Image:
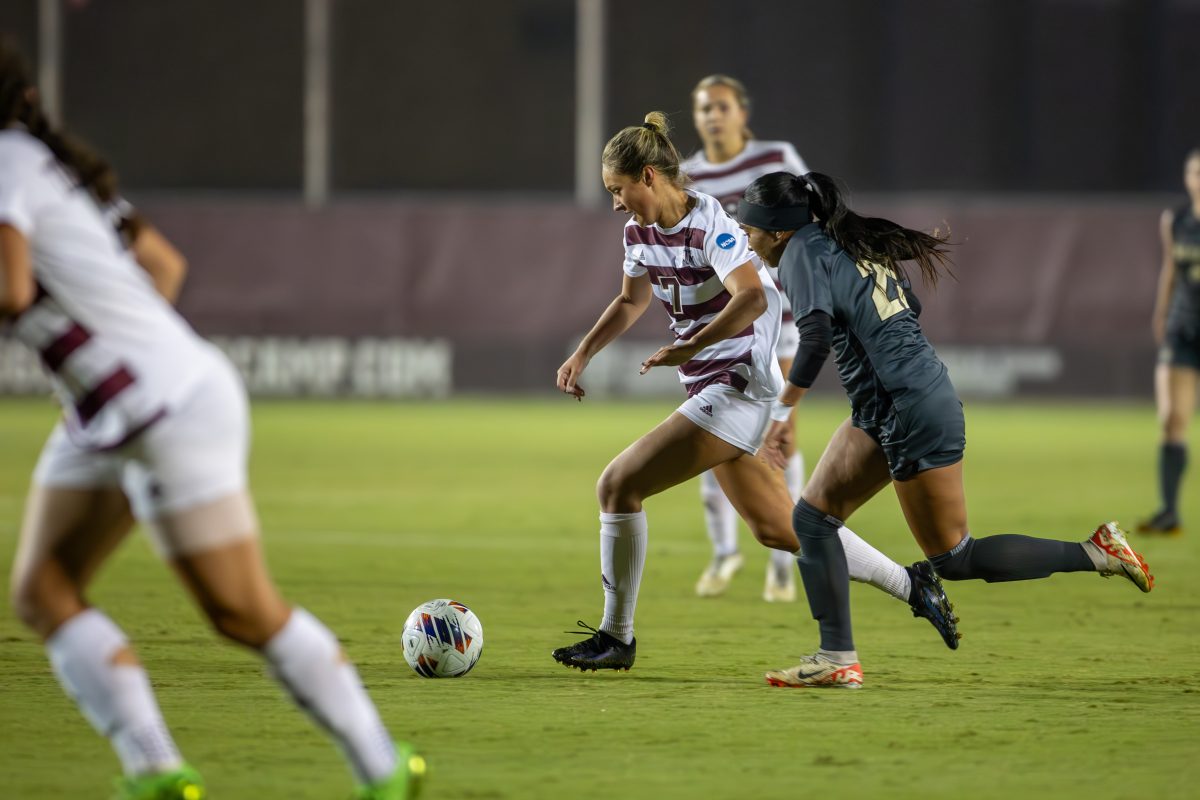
[{"x": 1069, "y": 687}]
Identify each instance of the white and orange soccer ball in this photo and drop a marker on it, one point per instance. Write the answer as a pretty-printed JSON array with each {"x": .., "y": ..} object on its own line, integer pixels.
[{"x": 442, "y": 639}]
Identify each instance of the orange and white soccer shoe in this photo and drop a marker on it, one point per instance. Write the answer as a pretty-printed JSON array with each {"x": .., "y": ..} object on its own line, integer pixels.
[
  {"x": 818, "y": 672},
  {"x": 1119, "y": 558}
]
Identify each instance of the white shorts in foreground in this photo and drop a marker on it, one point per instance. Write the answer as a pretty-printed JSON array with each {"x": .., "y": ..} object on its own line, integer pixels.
[
  {"x": 193, "y": 459},
  {"x": 728, "y": 414}
]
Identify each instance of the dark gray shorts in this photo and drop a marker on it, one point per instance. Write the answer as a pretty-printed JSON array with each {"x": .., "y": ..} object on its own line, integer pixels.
[
  {"x": 1180, "y": 350},
  {"x": 928, "y": 434}
]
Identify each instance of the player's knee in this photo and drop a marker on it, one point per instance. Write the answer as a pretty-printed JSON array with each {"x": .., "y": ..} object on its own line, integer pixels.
[
  {"x": 955, "y": 565},
  {"x": 242, "y": 624},
  {"x": 616, "y": 493},
  {"x": 42, "y": 596},
  {"x": 24, "y": 602},
  {"x": 821, "y": 502},
  {"x": 774, "y": 532},
  {"x": 1175, "y": 426}
]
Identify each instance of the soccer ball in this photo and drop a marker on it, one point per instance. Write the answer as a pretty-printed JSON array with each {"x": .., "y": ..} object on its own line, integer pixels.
[{"x": 442, "y": 639}]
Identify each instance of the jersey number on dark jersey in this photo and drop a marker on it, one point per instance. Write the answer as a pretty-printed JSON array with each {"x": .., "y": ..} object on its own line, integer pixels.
[{"x": 889, "y": 300}]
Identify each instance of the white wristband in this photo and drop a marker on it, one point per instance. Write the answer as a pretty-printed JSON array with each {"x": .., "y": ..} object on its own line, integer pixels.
[{"x": 780, "y": 412}]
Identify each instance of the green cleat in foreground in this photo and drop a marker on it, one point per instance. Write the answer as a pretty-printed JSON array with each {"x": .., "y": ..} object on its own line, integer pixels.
[
  {"x": 405, "y": 782},
  {"x": 179, "y": 784}
]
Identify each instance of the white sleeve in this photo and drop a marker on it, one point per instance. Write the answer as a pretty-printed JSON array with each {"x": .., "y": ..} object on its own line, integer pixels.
[
  {"x": 792, "y": 162},
  {"x": 633, "y": 258},
  {"x": 18, "y": 204},
  {"x": 726, "y": 246}
]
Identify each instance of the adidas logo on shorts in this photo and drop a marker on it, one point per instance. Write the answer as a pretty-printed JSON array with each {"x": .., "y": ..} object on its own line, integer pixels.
[{"x": 706, "y": 410}]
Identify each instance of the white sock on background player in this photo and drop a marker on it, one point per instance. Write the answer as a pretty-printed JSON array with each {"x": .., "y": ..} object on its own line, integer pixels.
[
  {"x": 622, "y": 558},
  {"x": 793, "y": 474},
  {"x": 783, "y": 562},
  {"x": 306, "y": 658},
  {"x": 720, "y": 517},
  {"x": 868, "y": 565},
  {"x": 116, "y": 698}
]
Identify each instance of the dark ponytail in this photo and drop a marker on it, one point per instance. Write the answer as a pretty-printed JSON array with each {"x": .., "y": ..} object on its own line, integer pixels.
[
  {"x": 874, "y": 238},
  {"x": 19, "y": 103}
]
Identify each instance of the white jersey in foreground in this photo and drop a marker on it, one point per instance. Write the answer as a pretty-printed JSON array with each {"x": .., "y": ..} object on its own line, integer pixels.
[
  {"x": 727, "y": 181},
  {"x": 118, "y": 354},
  {"x": 687, "y": 265}
]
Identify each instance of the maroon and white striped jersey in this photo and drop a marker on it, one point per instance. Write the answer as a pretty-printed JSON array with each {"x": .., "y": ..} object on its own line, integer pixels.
[
  {"x": 118, "y": 354},
  {"x": 687, "y": 265},
  {"x": 728, "y": 180}
]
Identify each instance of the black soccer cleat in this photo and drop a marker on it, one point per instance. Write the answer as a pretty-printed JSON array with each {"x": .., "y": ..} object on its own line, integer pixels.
[
  {"x": 1163, "y": 523},
  {"x": 927, "y": 599},
  {"x": 598, "y": 651}
]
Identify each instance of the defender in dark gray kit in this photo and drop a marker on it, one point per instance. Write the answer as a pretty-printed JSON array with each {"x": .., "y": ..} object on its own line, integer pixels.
[
  {"x": 1176, "y": 325},
  {"x": 849, "y": 293}
]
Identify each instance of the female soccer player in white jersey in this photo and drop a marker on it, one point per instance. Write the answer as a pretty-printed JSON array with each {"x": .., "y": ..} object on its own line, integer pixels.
[
  {"x": 729, "y": 161},
  {"x": 154, "y": 419},
  {"x": 683, "y": 249}
]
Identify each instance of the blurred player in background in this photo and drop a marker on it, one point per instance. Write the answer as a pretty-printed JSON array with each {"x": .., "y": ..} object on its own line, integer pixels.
[
  {"x": 155, "y": 425},
  {"x": 1177, "y": 332},
  {"x": 730, "y": 159},
  {"x": 842, "y": 274},
  {"x": 683, "y": 249}
]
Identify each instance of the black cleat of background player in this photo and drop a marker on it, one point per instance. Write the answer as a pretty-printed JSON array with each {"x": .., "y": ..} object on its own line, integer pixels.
[
  {"x": 927, "y": 599},
  {"x": 598, "y": 651}
]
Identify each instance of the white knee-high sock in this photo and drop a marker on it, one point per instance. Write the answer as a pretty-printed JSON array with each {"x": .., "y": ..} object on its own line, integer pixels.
[
  {"x": 115, "y": 698},
  {"x": 306, "y": 658},
  {"x": 793, "y": 474},
  {"x": 781, "y": 560},
  {"x": 720, "y": 517},
  {"x": 622, "y": 557},
  {"x": 868, "y": 565}
]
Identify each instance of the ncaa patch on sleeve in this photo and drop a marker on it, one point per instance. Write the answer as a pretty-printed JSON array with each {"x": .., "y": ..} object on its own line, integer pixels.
[{"x": 726, "y": 241}]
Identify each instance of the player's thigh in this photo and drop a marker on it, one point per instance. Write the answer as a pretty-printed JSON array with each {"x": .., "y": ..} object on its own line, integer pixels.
[
  {"x": 1175, "y": 392},
  {"x": 672, "y": 452},
  {"x": 66, "y": 534},
  {"x": 850, "y": 472},
  {"x": 75, "y": 515},
  {"x": 227, "y": 575},
  {"x": 935, "y": 507},
  {"x": 760, "y": 495}
]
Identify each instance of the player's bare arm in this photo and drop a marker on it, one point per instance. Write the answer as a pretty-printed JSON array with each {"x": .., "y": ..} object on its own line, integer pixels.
[
  {"x": 780, "y": 438},
  {"x": 747, "y": 303},
  {"x": 623, "y": 311},
  {"x": 1166, "y": 278},
  {"x": 155, "y": 254},
  {"x": 16, "y": 272}
]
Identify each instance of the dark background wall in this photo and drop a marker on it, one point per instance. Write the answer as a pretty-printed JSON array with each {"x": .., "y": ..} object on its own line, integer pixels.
[{"x": 987, "y": 95}]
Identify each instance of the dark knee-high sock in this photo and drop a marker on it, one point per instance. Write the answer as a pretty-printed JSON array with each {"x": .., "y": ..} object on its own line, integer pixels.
[
  {"x": 1010, "y": 557},
  {"x": 1172, "y": 461},
  {"x": 826, "y": 578}
]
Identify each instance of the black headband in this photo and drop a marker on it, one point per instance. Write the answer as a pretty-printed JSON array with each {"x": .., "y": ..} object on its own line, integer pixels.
[{"x": 787, "y": 218}]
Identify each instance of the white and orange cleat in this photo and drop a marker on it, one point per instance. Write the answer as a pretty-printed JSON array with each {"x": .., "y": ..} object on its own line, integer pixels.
[
  {"x": 1118, "y": 558},
  {"x": 779, "y": 588},
  {"x": 818, "y": 672},
  {"x": 717, "y": 575}
]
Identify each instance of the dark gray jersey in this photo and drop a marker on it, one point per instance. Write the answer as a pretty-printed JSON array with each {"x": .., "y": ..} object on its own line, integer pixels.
[
  {"x": 883, "y": 358},
  {"x": 1184, "y": 312}
]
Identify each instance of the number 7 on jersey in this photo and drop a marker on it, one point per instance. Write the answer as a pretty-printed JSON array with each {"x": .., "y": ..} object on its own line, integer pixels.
[{"x": 671, "y": 287}]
